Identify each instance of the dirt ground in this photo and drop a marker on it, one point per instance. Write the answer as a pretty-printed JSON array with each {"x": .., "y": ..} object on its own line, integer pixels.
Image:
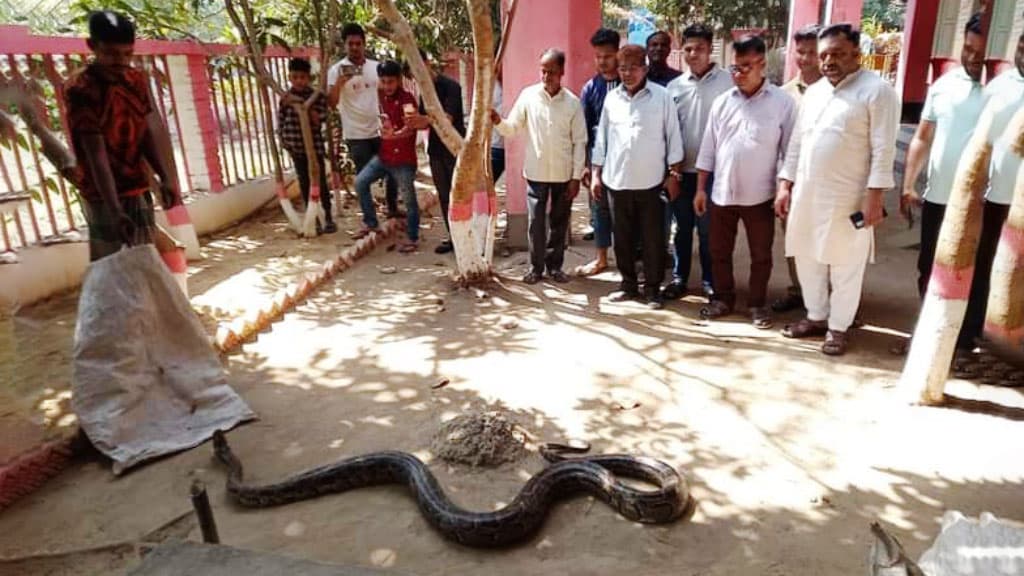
[{"x": 790, "y": 455}]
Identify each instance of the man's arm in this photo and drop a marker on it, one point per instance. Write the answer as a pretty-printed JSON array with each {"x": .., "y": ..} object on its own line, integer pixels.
[
  {"x": 336, "y": 80},
  {"x": 597, "y": 155},
  {"x": 578, "y": 127},
  {"x": 917, "y": 155},
  {"x": 156, "y": 149},
  {"x": 884, "y": 119},
  {"x": 516, "y": 120}
]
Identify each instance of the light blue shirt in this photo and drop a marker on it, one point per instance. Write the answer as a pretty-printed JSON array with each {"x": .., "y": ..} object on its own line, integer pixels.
[
  {"x": 954, "y": 105},
  {"x": 637, "y": 138},
  {"x": 1005, "y": 95},
  {"x": 693, "y": 98},
  {"x": 745, "y": 144}
]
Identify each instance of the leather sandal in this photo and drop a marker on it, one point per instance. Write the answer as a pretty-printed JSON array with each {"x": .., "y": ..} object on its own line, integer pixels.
[
  {"x": 716, "y": 309},
  {"x": 835, "y": 343},
  {"x": 805, "y": 328}
]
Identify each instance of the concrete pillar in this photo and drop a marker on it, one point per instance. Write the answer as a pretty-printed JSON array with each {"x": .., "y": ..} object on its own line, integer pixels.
[
  {"x": 801, "y": 13},
  {"x": 190, "y": 82},
  {"x": 918, "y": 39},
  {"x": 849, "y": 11},
  {"x": 1001, "y": 44},
  {"x": 537, "y": 26}
]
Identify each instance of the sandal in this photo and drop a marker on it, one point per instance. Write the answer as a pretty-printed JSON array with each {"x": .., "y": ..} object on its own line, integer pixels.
[
  {"x": 761, "y": 317},
  {"x": 835, "y": 343},
  {"x": 674, "y": 291},
  {"x": 716, "y": 309},
  {"x": 805, "y": 328},
  {"x": 408, "y": 247}
]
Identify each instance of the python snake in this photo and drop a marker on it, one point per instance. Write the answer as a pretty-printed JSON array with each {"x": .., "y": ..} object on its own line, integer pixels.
[{"x": 514, "y": 523}]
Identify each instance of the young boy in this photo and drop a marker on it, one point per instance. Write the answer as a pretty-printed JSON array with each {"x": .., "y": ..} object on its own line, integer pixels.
[
  {"x": 397, "y": 156},
  {"x": 290, "y": 129},
  {"x": 113, "y": 122}
]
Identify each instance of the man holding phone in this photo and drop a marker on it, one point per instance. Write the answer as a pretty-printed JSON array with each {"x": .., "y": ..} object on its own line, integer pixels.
[
  {"x": 353, "y": 91},
  {"x": 841, "y": 158}
]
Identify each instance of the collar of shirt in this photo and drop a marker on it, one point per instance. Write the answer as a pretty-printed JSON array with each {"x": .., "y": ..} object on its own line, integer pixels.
[
  {"x": 850, "y": 79},
  {"x": 558, "y": 95},
  {"x": 621, "y": 89},
  {"x": 736, "y": 92},
  {"x": 709, "y": 75}
]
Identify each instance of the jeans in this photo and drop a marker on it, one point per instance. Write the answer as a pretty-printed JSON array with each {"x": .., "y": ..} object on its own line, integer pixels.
[
  {"x": 301, "y": 162},
  {"x": 931, "y": 222},
  {"x": 361, "y": 152},
  {"x": 686, "y": 220},
  {"x": 639, "y": 216},
  {"x": 442, "y": 170},
  {"x": 601, "y": 221},
  {"x": 759, "y": 223},
  {"x": 404, "y": 176},
  {"x": 547, "y": 249},
  {"x": 993, "y": 218},
  {"x": 497, "y": 162}
]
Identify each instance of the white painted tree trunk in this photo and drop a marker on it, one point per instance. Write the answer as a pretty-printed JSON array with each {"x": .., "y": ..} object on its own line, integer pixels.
[{"x": 1004, "y": 322}]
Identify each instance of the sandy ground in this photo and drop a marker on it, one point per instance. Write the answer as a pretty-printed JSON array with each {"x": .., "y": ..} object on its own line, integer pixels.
[{"x": 789, "y": 454}]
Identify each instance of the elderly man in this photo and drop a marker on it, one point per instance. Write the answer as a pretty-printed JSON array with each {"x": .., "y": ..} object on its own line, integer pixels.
[
  {"x": 659, "y": 46},
  {"x": 693, "y": 93},
  {"x": 638, "y": 152},
  {"x": 805, "y": 50},
  {"x": 841, "y": 158},
  {"x": 744, "y": 143},
  {"x": 555, "y": 157}
]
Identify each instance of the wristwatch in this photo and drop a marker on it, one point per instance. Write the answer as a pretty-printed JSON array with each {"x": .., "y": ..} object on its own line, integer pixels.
[{"x": 675, "y": 175}]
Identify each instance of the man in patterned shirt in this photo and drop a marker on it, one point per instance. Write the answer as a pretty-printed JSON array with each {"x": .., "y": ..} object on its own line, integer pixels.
[
  {"x": 115, "y": 131},
  {"x": 290, "y": 128}
]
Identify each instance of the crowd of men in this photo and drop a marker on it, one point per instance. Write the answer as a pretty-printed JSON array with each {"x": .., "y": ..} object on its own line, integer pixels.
[{"x": 665, "y": 155}]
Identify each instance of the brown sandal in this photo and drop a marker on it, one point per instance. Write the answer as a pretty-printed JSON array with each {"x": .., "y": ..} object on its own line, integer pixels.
[
  {"x": 805, "y": 328},
  {"x": 835, "y": 343},
  {"x": 716, "y": 309}
]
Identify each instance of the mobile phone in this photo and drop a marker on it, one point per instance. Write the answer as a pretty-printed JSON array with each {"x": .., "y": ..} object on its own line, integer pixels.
[
  {"x": 858, "y": 218},
  {"x": 350, "y": 69}
]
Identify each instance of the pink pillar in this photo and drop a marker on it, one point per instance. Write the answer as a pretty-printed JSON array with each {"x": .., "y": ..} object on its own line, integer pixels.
[
  {"x": 801, "y": 13},
  {"x": 209, "y": 130},
  {"x": 537, "y": 26},
  {"x": 847, "y": 11},
  {"x": 918, "y": 39}
]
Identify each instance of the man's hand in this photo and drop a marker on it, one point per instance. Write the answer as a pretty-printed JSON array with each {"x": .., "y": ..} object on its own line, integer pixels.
[
  {"x": 495, "y": 117},
  {"x": 418, "y": 122},
  {"x": 170, "y": 196},
  {"x": 574, "y": 189},
  {"x": 909, "y": 201},
  {"x": 596, "y": 188},
  {"x": 700, "y": 202},
  {"x": 872, "y": 208},
  {"x": 585, "y": 180},
  {"x": 125, "y": 226},
  {"x": 782, "y": 199},
  {"x": 672, "y": 186}
]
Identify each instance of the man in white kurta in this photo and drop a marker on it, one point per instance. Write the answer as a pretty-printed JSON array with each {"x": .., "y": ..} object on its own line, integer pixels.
[{"x": 841, "y": 158}]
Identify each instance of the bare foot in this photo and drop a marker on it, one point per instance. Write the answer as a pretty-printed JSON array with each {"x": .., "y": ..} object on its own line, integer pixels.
[{"x": 592, "y": 268}]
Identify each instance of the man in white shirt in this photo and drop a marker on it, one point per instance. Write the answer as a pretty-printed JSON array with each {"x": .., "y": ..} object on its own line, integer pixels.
[
  {"x": 693, "y": 92},
  {"x": 353, "y": 90},
  {"x": 841, "y": 159},
  {"x": 745, "y": 141},
  {"x": 556, "y": 147},
  {"x": 1005, "y": 96},
  {"x": 951, "y": 111},
  {"x": 638, "y": 152}
]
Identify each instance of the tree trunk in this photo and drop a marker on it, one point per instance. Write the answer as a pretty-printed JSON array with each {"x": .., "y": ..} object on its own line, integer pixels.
[
  {"x": 931, "y": 350},
  {"x": 472, "y": 214},
  {"x": 1004, "y": 322}
]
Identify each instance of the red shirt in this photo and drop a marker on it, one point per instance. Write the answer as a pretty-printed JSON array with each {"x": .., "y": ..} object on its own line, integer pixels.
[
  {"x": 397, "y": 151},
  {"x": 113, "y": 104}
]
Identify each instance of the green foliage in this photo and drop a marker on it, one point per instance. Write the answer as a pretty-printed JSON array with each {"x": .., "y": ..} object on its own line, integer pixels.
[
  {"x": 724, "y": 15},
  {"x": 884, "y": 14},
  {"x": 202, "y": 20}
]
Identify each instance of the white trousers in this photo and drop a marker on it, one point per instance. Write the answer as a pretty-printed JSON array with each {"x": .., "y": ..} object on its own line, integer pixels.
[{"x": 839, "y": 307}]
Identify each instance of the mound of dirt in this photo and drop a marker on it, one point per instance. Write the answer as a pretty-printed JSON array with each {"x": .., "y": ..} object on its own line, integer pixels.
[{"x": 479, "y": 439}]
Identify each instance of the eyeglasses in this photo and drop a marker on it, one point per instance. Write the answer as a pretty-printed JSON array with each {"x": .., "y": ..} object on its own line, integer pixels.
[
  {"x": 630, "y": 69},
  {"x": 745, "y": 68}
]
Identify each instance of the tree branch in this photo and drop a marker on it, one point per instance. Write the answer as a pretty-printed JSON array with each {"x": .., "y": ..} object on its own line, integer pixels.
[{"x": 403, "y": 36}]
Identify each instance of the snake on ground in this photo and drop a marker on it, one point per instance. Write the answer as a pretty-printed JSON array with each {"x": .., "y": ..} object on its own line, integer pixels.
[{"x": 596, "y": 475}]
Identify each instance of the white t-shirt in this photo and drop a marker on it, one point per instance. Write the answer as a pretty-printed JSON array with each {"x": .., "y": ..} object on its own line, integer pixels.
[{"x": 358, "y": 104}]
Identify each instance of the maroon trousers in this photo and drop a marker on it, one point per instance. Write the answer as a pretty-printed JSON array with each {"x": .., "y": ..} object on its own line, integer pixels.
[{"x": 759, "y": 223}]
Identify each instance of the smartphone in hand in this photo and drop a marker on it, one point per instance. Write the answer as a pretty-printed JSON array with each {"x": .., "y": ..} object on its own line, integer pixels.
[{"x": 857, "y": 218}]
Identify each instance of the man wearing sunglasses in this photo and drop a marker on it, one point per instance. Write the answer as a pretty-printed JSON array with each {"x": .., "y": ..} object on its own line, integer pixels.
[{"x": 744, "y": 143}]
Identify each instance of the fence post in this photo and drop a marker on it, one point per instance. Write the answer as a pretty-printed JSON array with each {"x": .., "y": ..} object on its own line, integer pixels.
[{"x": 190, "y": 82}]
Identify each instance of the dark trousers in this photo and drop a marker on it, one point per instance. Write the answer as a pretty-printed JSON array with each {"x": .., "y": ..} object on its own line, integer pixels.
[
  {"x": 993, "y": 218},
  {"x": 639, "y": 216},
  {"x": 497, "y": 162},
  {"x": 442, "y": 169},
  {"x": 301, "y": 162},
  {"x": 759, "y": 223},
  {"x": 547, "y": 249},
  {"x": 361, "y": 152},
  {"x": 931, "y": 222},
  {"x": 686, "y": 220}
]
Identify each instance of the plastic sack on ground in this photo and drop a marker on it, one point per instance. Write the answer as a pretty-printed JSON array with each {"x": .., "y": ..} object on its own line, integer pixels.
[{"x": 146, "y": 382}]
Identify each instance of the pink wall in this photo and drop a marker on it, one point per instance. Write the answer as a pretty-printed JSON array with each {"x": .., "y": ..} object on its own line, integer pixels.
[
  {"x": 804, "y": 12},
  {"x": 537, "y": 26}
]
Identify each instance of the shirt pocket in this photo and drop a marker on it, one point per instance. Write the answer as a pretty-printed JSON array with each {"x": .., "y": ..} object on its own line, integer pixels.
[{"x": 762, "y": 134}]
